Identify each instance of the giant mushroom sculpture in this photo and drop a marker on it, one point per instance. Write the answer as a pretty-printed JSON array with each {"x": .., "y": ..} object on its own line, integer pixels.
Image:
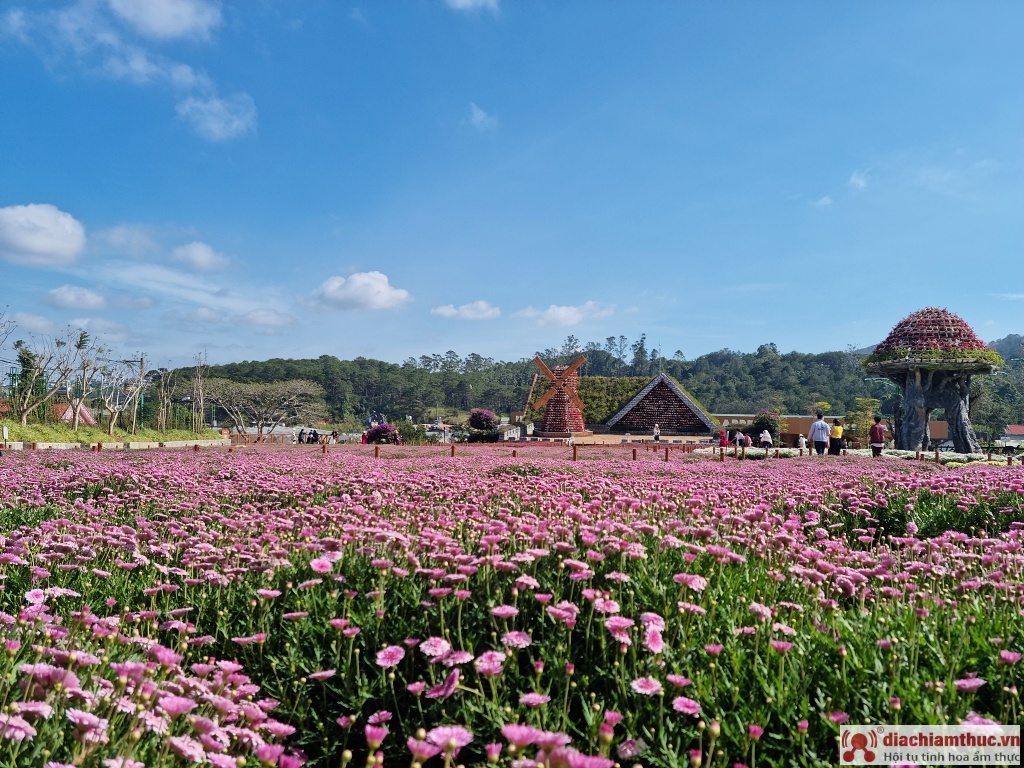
[{"x": 931, "y": 355}]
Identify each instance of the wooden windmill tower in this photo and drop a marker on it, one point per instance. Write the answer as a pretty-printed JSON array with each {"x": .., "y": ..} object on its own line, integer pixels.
[{"x": 564, "y": 414}]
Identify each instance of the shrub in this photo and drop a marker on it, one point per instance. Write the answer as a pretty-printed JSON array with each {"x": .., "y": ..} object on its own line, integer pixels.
[
  {"x": 480, "y": 418},
  {"x": 382, "y": 433}
]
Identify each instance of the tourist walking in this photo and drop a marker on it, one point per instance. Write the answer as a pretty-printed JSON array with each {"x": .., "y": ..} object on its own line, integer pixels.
[
  {"x": 818, "y": 435},
  {"x": 739, "y": 438},
  {"x": 766, "y": 439},
  {"x": 835, "y": 438},
  {"x": 723, "y": 439},
  {"x": 876, "y": 436},
  {"x": 302, "y": 436},
  {"x": 801, "y": 442},
  {"x": 657, "y": 434}
]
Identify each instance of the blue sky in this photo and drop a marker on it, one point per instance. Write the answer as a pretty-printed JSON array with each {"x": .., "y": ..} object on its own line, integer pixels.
[{"x": 272, "y": 178}]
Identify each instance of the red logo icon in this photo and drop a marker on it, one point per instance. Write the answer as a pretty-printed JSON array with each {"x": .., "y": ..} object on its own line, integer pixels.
[{"x": 859, "y": 742}]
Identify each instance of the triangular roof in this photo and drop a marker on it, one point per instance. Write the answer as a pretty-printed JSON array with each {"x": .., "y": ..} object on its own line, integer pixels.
[
  {"x": 65, "y": 412},
  {"x": 664, "y": 378}
]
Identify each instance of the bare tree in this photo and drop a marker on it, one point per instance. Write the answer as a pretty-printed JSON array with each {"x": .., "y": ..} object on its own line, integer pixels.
[
  {"x": 198, "y": 402},
  {"x": 7, "y": 327},
  {"x": 166, "y": 388},
  {"x": 46, "y": 365},
  {"x": 233, "y": 397},
  {"x": 88, "y": 355},
  {"x": 141, "y": 394},
  {"x": 119, "y": 388}
]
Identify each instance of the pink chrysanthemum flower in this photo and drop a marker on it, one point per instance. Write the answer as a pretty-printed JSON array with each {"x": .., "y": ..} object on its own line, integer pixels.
[
  {"x": 390, "y": 656},
  {"x": 516, "y": 639},
  {"x": 534, "y": 699},
  {"x": 450, "y": 738},
  {"x": 646, "y": 686},
  {"x": 686, "y": 706}
]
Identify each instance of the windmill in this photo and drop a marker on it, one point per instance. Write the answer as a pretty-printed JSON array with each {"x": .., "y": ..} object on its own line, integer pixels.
[{"x": 564, "y": 414}]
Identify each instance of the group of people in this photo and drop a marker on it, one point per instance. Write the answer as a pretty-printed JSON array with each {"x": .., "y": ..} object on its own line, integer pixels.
[
  {"x": 822, "y": 436},
  {"x": 831, "y": 438},
  {"x": 744, "y": 440},
  {"x": 312, "y": 437}
]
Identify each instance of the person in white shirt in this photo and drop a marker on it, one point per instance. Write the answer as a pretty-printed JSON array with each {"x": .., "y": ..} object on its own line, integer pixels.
[
  {"x": 801, "y": 442},
  {"x": 818, "y": 434},
  {"x": 766, "y": 439}
]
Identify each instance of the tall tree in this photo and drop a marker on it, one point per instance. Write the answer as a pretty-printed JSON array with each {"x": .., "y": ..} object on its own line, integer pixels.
[
  {"x": 120, "y": 387},
  {"x": 199, "y": 373},
  {"x": 7, "y": 326},
  {"x": 267, "y": 405},
  {"x": 88, "y": 354},
  {"x": 45, "y": 367}
]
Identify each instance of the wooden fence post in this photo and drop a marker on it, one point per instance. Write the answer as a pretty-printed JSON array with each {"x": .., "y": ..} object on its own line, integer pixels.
[
  {"x": 574, "y": 452},
  {"x": 453, "y": 449},
  {"x": 666, "y": 453},
  {"x": 634, "y": 454}
]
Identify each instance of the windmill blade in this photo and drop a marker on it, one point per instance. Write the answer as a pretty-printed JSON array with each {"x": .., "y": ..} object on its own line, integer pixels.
[
  {"x": 574, "y": 399},
  {"x": 573, "y": 366},
  {"x": 544, "y": 369},
  {"x": 543, "y": 399}
]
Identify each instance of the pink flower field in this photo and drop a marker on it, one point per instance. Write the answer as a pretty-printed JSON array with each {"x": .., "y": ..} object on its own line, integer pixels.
[{"x": 289, "y": 607}]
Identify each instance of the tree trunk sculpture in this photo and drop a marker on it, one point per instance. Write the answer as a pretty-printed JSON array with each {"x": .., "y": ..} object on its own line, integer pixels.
[{"x": 924, "y": 390}]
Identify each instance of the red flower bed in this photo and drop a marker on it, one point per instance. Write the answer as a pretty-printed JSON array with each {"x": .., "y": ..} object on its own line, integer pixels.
[{"x": 931, "y": 329}]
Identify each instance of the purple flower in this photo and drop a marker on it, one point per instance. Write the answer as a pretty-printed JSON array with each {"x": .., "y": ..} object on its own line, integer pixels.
[
  {"x": 516, "y": 639},
  {"x": 534, "y": 699},
  {"x": 447, "y": 688},
  {"x": 14, "y": 728},
  {"x": 450, "y": 738},
  {"x": 520, "y": 735},
  {"x": 505, "y": 611},
  {"x": 646, "y": 686},
  {"x": 321, "y": 565},
  {"x": 175, "y": 706},
  {"x": 969, "y": 684},
  {"x": 686, "y": 706},
  {"x": 390, "y": 656}
]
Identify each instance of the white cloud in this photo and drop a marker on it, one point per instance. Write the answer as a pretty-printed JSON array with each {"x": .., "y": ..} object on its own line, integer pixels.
[
  {"x": 39, "y": 235},
  {"x": 133, "y": 240},
  {"x": 360, "y": 290},
  {"x": 86, "y": 33},
  {"x": 1012, "y": 296},
  {"x": 168, "y": 19},
  {"x": 472, "y": 5},
  {"x": 475, "y": 310},
  {"x": 109, "y": 330},
  {"x": 564, "y": 316},
  {"x": 218, "y": 119},
  {"x": 480, "y": 119},
  {"x": 173, "y": 284},
  {"x": 265, "y": 318},
  {"x": 822, "y": 202},
  {"x": 75, "y": 297},
  {"x": 132, "y": 302},
  {"x": 15, "y": 24},
  {"x": 199, "y": 256},
  {"x": 33, "y": 323},
  {"x": 858, "y": 180}
]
